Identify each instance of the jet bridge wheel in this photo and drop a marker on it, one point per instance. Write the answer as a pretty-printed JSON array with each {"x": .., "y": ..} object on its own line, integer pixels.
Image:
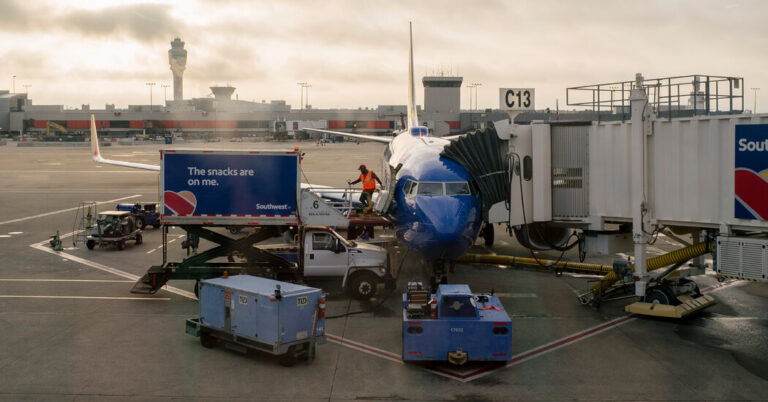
[{"x": 660, "y": 295}]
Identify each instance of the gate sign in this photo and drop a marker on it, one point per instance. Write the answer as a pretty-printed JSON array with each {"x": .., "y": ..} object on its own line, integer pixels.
[
  {"x": 751, "y": 172},
  {"x": 516, "y": 98}
]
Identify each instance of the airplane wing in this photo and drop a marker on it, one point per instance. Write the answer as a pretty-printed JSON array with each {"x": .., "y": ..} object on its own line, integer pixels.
[
  {"x": 96, "y": 153},
  {"x": 375, "y": 138}
]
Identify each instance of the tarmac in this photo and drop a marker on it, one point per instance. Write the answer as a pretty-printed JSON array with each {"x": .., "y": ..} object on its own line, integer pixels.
[{"x": 73, "y": 331}]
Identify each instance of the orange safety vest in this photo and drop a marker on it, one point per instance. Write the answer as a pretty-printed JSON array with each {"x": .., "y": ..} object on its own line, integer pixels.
[{"x": 369, "y": 184}]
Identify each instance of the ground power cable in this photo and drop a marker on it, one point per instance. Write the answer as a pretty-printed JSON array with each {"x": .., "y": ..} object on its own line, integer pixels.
[{"x": 377, "y": 305}]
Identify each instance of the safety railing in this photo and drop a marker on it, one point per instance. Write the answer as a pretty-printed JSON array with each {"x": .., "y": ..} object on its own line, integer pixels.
[{"x": 682, "y": 96}]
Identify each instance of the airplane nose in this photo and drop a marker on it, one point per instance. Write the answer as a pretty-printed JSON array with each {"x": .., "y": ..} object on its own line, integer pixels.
[{"x": 450, "y": 225}]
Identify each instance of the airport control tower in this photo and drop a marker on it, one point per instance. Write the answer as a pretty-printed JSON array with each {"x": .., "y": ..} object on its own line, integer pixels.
[
  {"x": 177, "y": 57},
  {"x": 441, "y": 94}
]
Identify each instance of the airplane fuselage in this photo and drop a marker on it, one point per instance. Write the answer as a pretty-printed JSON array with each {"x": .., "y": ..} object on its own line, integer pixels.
[{"x": 435, "y": 209}]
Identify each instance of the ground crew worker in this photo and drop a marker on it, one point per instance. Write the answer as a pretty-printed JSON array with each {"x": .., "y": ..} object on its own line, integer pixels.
[{"x": 369, "y": 185}]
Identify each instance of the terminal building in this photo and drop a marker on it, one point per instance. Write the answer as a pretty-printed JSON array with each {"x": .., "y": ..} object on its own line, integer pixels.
[{"x": 222, "y": 116}]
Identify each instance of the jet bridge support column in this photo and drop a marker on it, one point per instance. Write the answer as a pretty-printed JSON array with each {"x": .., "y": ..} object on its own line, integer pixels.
[{"x": 638, "y": 201}]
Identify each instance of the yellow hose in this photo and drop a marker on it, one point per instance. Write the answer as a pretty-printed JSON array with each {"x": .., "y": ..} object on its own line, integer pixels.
[
  {"x": 671, "y": 258},
  {"x": 510, "y": 260}
]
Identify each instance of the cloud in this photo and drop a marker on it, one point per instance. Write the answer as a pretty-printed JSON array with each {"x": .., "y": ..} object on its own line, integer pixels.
[{"x": 140, "y": 22}]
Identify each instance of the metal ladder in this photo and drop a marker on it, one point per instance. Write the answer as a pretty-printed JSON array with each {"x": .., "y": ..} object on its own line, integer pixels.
[{"x": 85, "y": 221}]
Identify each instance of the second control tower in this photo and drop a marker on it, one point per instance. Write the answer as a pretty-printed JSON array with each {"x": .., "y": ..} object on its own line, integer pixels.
[{"x": 177, "y": 57}]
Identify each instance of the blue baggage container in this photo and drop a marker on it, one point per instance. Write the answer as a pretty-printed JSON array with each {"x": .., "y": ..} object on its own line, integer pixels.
[
  {"x": 454, "y": 325},
  {"x": 260, "y": 313}
]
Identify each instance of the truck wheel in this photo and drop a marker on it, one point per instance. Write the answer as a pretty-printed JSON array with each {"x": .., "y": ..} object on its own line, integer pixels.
[
  {"x": 363, "y": 286},
  {"x": 121, "y": 244},
  {"x": 207, "y": 341},
  {"x": 155, "y": 225},
  {"x": 90, "y": 244},
  {"x": 288, "y": 359},
  {"x": 139, "y": 222},
  {"x": 139, "y": 239}
]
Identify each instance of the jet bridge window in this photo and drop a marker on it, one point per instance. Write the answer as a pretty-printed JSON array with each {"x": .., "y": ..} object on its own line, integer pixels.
[{"x": 322, "y": 241}]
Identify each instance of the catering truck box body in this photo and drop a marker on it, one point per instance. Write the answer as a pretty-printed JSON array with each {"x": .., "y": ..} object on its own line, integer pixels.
[{"x": 230, "y": 187}]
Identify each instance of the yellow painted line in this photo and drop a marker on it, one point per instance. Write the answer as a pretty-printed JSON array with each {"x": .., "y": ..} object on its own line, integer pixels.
[
  {"x": 83, "y": 297},
  {"x": 67, "y": 280}
]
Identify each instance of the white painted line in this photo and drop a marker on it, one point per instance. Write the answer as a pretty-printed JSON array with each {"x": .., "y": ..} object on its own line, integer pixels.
[
  {"x": 66, "y": 280},
  {"x": 5, "y": 236},
  {"x": 14, "y": 233},
  {"x": 84, "y": 297},
  {"x": 65, "y": 210},
  {"x": 152, "y": 251},
  {"x": 40, "y": 246}
]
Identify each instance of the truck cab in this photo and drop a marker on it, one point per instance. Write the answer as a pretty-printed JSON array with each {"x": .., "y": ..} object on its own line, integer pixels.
[{"x": 324, "y": 255}]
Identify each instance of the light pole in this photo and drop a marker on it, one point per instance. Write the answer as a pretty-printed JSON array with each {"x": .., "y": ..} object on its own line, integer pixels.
[
  {"x": 165, "y": 88},
  {"x": 476, "y": 84},
  {"x": 26, "y": 87},
  {"x": 301, "y": 88},
  {"x": 306, "y": 98},
  {"x": 754, "y": 108},
  {"x": 150, "y": 85},
  {"x": 471, "y": 87},
  {"x": 14, "y": 84}
]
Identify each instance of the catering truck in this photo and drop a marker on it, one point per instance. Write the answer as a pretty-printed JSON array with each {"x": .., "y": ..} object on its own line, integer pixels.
[{"x": 207, "y": 192}]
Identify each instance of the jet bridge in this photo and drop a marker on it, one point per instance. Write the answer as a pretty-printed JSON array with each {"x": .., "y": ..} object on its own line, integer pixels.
[{"x": 656, "y": 156}]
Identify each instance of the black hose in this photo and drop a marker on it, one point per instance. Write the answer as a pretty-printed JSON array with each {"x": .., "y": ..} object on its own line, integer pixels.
[{"x": 373, "y": 308}]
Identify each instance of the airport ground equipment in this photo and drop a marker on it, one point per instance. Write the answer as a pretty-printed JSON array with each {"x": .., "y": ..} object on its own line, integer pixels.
[
  {"x": 85, "y": 221},
  {"x": 250, "y": 313},
  {"x": 205, "y": 191},
  {"x": 454, "y": 325},
  {"x": 145, "y": 213},
  {"x": 114, "y": 227}
]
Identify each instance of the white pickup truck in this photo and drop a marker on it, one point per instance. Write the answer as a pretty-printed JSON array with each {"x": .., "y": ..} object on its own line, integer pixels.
[{"x": 323, "y": 255}]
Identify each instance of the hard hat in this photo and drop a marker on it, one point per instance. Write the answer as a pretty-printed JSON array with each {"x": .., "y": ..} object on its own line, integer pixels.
[{"x": 362, "y": 167}]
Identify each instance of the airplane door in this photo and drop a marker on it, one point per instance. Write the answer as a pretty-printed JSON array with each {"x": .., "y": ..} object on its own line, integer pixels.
[
  {"x": 324, "y": 255},
  {"x": 387, "y": 194}
]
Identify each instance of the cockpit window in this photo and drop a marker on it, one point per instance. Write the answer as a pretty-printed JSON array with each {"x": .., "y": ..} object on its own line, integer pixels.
[
  {"x": 461, "y": 188},
  {"x": 426, "y": 188},
  {"x": 412, "y": 188}
]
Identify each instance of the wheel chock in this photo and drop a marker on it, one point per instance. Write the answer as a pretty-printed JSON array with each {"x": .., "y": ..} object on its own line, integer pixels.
[{"x": 687, "y": 306}]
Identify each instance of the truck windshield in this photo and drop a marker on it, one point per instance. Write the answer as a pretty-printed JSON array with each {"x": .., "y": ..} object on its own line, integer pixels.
[{"x": 348, "y": 243}]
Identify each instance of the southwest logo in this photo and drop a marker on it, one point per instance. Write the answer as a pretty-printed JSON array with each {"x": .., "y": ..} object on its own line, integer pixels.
[
  {"x": 181, "y": 203},
  {"x": 750, "y": 172}
]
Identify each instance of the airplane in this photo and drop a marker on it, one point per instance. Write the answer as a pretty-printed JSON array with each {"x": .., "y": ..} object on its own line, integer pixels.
[
  {"x": 436, "y": 210},
  {"x": 430, "y": 199}
]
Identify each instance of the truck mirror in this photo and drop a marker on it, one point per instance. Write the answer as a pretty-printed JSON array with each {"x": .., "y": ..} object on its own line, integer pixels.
[{"x": 339, "y": 247}]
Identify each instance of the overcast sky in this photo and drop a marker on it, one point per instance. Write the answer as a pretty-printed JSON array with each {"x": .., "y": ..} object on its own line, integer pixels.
[{"x": 354, "y": 53}]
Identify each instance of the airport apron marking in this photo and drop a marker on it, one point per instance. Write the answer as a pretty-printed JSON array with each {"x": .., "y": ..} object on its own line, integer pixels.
[
  {"x": 394, "y": 357},
  {"x": 66, "y": 210}
]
